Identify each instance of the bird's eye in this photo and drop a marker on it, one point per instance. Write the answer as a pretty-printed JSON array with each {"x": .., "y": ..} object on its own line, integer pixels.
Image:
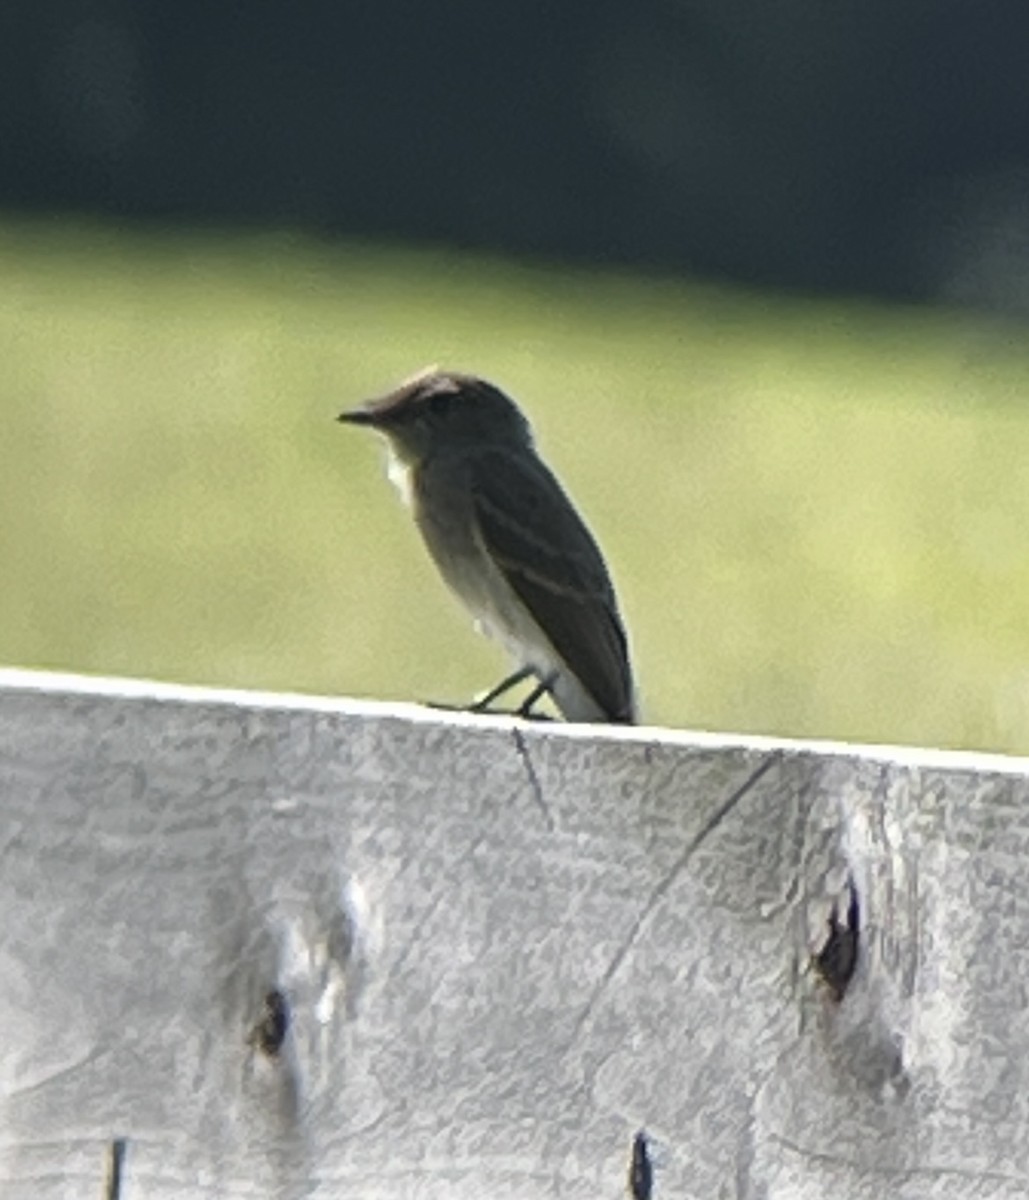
[{"x": 439, "y": 403}]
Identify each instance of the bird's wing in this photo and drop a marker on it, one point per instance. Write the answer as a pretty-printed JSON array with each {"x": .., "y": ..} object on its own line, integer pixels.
[{"x": 548, "y": 556}]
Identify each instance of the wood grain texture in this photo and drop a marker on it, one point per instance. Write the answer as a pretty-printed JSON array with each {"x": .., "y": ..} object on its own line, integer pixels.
[{"x": 505, "y": 948}]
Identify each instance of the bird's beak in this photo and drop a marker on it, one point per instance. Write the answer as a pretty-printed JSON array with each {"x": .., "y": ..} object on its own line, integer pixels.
[{"x": 359, "y": 416}]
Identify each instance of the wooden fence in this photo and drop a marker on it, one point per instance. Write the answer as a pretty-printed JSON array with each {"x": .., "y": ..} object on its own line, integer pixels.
[{"x": 280, "y": 947}]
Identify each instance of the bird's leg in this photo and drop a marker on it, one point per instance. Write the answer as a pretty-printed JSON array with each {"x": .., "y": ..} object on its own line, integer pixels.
[
  {"x": 540, "y": 690},
  {"x": 483, "y": 702}
]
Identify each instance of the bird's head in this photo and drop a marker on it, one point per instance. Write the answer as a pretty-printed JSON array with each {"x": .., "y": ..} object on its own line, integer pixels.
[{"x": 442, "y": 410}]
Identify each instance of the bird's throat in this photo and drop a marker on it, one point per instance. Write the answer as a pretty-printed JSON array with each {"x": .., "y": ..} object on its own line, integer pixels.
[{"x": 401, "y": 475}]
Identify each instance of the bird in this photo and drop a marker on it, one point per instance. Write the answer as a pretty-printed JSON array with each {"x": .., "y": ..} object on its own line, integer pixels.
[{"x": 507, "y": 541}]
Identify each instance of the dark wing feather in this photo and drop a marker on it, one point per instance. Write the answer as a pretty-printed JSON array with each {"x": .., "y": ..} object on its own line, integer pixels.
[{"x": 550, "y": 559}]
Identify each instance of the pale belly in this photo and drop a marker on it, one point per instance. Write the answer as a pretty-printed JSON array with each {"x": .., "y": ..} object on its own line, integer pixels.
[{"x": 445, "y": 518}]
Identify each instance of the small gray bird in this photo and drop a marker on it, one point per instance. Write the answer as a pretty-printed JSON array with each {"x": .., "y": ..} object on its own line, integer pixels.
[{"x": 507, "y": 540}]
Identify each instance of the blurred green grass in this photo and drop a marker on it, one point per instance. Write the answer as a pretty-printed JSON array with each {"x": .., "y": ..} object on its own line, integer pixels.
[{"x": 816, "y": 513}]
